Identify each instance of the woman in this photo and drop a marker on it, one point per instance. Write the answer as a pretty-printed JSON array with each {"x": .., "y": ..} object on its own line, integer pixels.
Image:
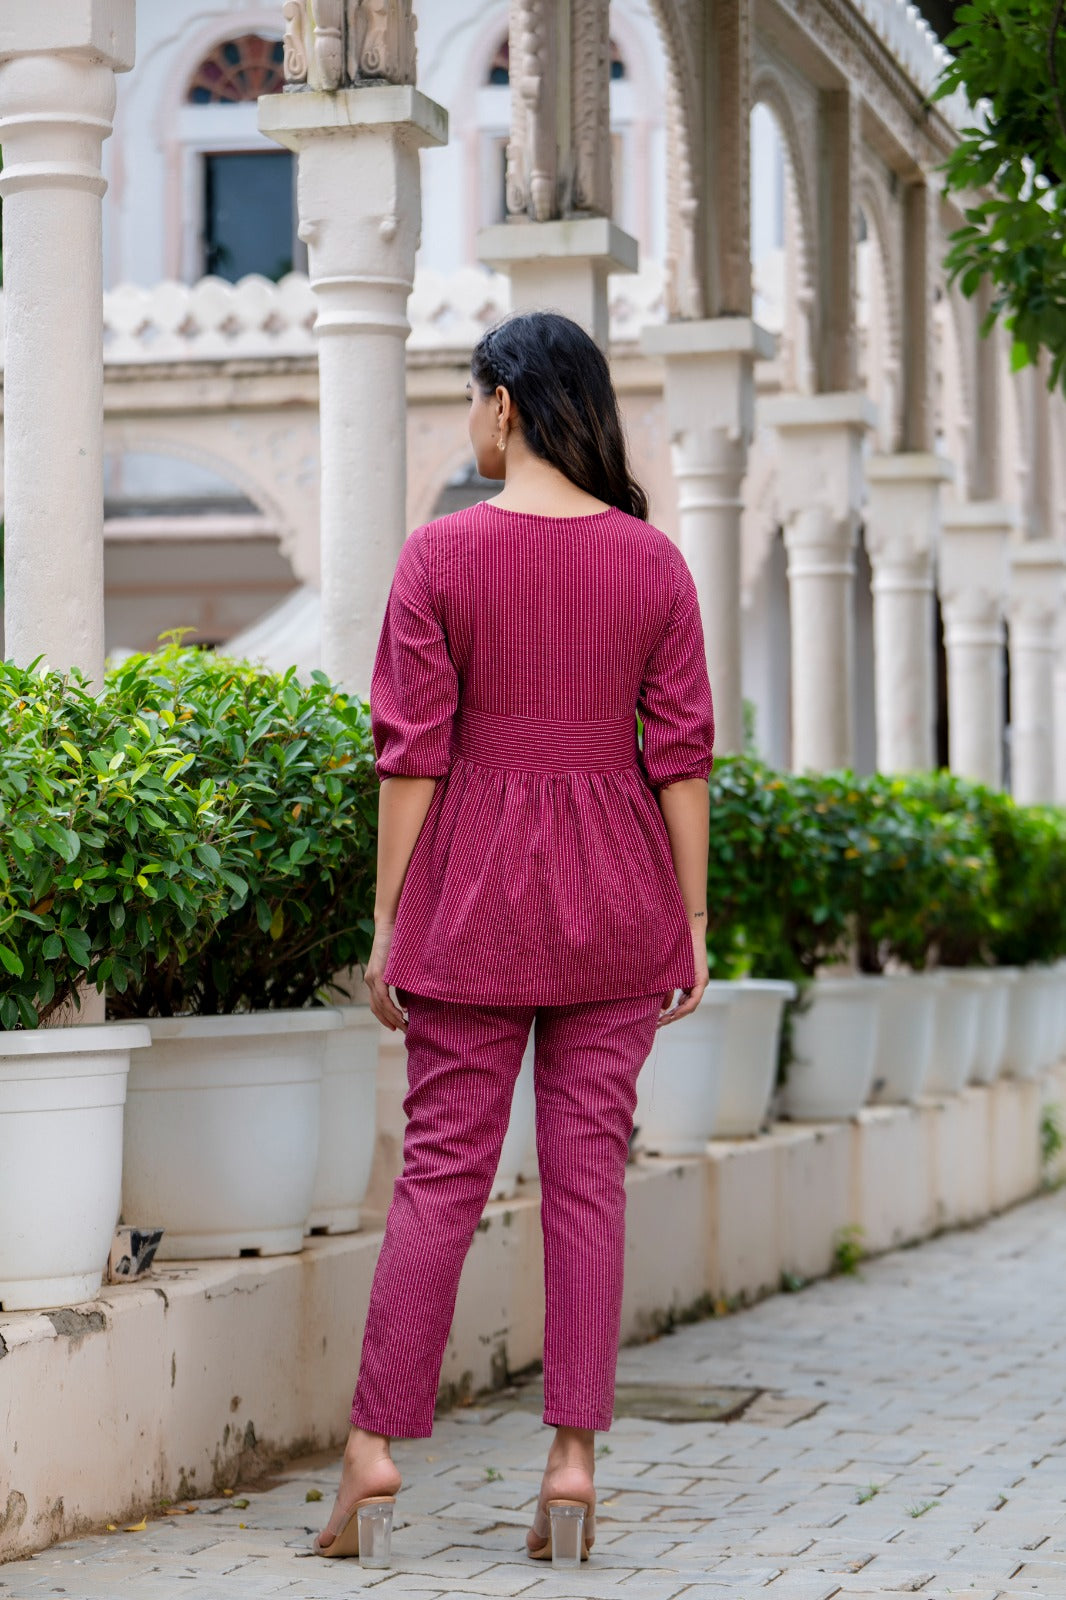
[{"x": 535, "y": 869}]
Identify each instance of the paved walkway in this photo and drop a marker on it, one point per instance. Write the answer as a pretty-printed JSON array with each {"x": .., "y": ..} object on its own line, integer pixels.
[{"x": 910, "y": 1438}]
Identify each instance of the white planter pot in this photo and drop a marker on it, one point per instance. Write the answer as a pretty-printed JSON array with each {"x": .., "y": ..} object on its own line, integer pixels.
[
  {"x": 1059, "y": 969},
  {"x": 680, "y": 1083},
  {"x": 905, "y": 1036},
  {"x": 1050, "y": 1017},
  {"x": 348, "y": 1120},
  {"x": 518, "y": 1154},
  {"x": 749, "y": 1067},
  {"x": 222, "y": 1126},
  {"x": 1027, "y": 1029},
  {"x": 958, "y": 1015},
  {"x": 992, "y": 1019},
  {"x": 62, "y": 1092},
  {"x": 834, "y": 1050}
]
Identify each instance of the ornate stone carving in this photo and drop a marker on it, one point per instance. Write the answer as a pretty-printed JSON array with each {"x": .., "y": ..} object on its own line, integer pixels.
[
  {"x": 591, "y": 106},
  {"x": 334, "y": 44},
  {"x": 381, "y": 41},
  {"x": 327, "y": 19},
  {"x": 296, "y": 22},
  {"x": 533, "y": 150}
]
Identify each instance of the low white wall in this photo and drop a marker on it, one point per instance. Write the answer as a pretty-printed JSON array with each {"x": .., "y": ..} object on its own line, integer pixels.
[{"x": 178, "y": 1385}]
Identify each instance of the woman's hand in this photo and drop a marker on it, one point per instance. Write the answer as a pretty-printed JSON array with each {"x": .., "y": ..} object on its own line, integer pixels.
[
  {"x": 382, "y": 1004},
  {"x": 690, "y": 998}
]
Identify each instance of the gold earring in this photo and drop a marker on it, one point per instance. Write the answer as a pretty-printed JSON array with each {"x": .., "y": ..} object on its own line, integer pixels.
[{"x": 501, "y": 443}]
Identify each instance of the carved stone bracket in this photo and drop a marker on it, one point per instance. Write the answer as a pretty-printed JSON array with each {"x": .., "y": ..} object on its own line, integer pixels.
[
  {"x": 559, "y": 154},
  {"x": 340, "y": 44}
]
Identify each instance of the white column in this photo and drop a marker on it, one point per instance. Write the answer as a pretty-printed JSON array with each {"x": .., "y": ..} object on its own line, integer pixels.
[
  {"x": 57, "y": 99},
  {"x": 1034, "y": 611},
  {"x": 820, "y": 491},
  {"x": 710, "y": 404},
  {"x": 561, "y": 265},
  {"x": 973, "y": 592},
  {"x": 902, "y": 522},
  {"x": 1060, "y": 709},
  {"x": 360, "y": 215}
]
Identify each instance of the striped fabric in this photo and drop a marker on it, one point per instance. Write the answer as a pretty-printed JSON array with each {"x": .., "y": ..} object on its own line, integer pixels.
[
  {"x": 462, "y": 1065},
  {"x": 515, "y": 654}
]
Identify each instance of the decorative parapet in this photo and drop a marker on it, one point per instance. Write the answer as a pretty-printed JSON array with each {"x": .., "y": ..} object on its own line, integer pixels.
[
  {"x": 256, "y": 320},
  {"x": 338, "y": 44},
  {"x": 912, "y": 43}
]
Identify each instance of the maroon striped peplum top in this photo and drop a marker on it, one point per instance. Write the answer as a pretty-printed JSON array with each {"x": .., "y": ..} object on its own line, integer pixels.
[{"x": 515, "y": 654}]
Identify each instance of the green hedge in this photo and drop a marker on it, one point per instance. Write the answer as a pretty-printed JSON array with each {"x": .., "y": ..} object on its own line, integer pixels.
[
  {"x": 920, "y": 870},
  {"x": 200, "y": 839}
]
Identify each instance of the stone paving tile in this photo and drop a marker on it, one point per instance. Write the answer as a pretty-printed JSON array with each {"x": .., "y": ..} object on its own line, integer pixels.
[{"x": 939, "y": 1376}]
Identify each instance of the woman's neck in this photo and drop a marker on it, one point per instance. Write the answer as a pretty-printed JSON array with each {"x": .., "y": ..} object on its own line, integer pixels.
[{"x": 535, "y": 486}]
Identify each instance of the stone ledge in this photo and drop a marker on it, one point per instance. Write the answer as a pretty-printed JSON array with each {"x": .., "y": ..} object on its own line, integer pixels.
[{"x": 206, "y": 1372}]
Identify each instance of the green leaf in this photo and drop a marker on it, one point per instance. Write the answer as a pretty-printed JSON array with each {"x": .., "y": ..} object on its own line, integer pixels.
[
  {"x": 209, "y": 856},
  {"x": 52, "y": 948},
  {"x": 10, "y": 961},
  {"x": 277, "y": 924}
]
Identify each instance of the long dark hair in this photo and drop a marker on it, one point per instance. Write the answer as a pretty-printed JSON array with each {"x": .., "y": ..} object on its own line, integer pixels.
[{"x": 560, "y": 383}]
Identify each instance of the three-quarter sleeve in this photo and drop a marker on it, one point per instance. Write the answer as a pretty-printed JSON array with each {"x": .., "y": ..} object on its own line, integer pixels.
[
  {"x": 414, "y": 688},
  {"x": 675, "y": 695}
]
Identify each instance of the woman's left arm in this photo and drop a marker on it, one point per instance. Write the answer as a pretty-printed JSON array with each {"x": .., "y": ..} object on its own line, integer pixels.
[{"x": 402, "y": 809}]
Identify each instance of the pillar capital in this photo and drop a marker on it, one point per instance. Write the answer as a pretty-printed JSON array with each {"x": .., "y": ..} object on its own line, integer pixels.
[
  {"x": 1037, "y": 590},
  {"x": 902, "y": 517},
  {"x": 294, "y": 119},
  {"x": 820, "y": 440},
  {"x": 563, "y": 263},
  {"x": 100, "y": 31},
  {"x": 974, "y": 561},
  {"x": 709, "y": 368}
]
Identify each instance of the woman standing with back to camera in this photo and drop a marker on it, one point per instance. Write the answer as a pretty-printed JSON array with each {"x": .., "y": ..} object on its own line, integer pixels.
[{"x": 553, "y": 876}]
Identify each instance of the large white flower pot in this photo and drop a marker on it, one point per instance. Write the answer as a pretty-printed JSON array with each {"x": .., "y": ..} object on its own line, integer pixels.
[
  {"x": 1049, "y": 1015},
  {"x": 749, "y": 1067},
  {"x": 992, "y": 1019},
  {"x": 62, "y": 1092},
  {"x": 958, "y": 1015},
  {"x": 518, "y": 1154},
  {"x": 905, "y": 1036},
  {"x": 834, "y": 1050},
  {"x": 222, "y": 1127},
  {"x": 680, "y": 1083},
  {"x": 348, "y": 1120},
  {"x": 1027, "y": 1029}
]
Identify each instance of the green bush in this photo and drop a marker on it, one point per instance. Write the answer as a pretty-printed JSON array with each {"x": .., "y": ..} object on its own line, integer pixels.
[
  {"x": 110, "y": 848},
  {"x": 813, "y": 868},
  {"x": 301, "y": 879}
]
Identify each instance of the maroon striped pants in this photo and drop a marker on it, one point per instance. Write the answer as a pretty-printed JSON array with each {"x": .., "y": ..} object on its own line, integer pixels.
[{"x": 462, "y": 1063}]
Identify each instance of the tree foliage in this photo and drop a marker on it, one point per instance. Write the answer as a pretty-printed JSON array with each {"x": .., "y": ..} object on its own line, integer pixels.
[{"x": 1010, "y": 63}]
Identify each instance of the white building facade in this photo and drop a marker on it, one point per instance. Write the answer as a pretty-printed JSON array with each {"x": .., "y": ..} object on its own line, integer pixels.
[{"x": 872, "y": 502}]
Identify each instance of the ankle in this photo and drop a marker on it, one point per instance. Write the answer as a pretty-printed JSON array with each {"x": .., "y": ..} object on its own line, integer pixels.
[{"x": 572, "y": 1447}]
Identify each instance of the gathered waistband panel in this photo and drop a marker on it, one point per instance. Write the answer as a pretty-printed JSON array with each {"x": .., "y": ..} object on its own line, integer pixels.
[{"x": 538, "y": 744}]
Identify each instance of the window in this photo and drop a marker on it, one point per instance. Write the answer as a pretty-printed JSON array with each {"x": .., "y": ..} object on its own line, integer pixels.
[
  {"x": 249, "y": 221},
  {"x": 500, "y": 70},
  {"x": 238, "y": 70}
]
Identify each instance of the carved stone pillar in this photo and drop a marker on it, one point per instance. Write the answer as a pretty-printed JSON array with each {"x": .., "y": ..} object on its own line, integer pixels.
[
  {"x": 973, "y": 579},
  {"x": 558, "y": 244},
  {"x": 820, "y": 493},
  {"x": 710, "y": 411},
  {"x": 902, "y": 522},
  {"x": 357, "y": 126},
  {"x": 57, "y": 99},
  {"x": 1034, "y": 612}
]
